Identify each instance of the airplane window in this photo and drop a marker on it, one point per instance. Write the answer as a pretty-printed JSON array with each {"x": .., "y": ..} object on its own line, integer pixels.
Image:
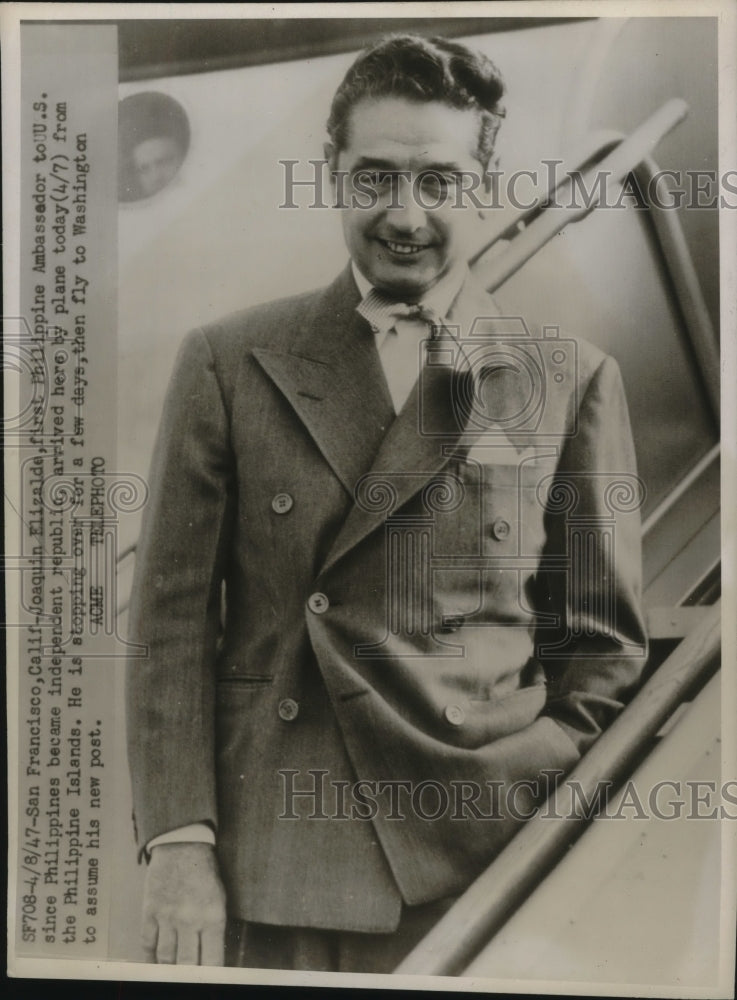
[{"x": 153, "y": 141}]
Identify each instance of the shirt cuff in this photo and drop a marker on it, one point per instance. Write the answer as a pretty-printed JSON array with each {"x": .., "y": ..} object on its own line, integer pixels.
[{"x": 199, "y": 833}]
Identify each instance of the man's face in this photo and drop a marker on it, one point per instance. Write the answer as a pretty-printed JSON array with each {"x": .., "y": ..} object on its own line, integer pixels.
[
  {"x": 402, "y": 244},
  {"x": 155, "y": 162}
]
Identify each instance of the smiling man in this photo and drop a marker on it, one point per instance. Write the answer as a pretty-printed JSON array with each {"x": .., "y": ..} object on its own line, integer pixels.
[
  {"x": 371, "y": 644},
  {"x": 413, "y": 230}
]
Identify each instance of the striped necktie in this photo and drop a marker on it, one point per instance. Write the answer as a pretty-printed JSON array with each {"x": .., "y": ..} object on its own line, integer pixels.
[
  {"x": 382, "y": 312},
  {"x": 401, "y": 329}
]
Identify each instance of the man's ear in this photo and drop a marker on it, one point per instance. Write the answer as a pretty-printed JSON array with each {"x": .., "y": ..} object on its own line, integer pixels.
[
  {"x": 336, "y": 178},
  {"x": 489, "y": 187}
]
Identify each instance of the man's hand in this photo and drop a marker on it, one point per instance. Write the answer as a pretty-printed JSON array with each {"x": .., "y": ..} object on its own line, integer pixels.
[{"x": 183, "y": 906}]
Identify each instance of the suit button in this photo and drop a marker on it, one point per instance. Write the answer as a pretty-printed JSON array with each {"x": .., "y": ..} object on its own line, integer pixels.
[
  {"x": 282, "y": 503},
  {"x": 288, "y": 709},
  {"x": 500, "y": 529},
  {"x": 318, "y": 603},
  {"x": 455, "y": 715}
]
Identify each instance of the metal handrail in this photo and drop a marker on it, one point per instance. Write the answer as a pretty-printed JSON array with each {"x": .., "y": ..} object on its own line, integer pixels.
[
  {"x": 595, "y": 146},
  {"x": 615, "y": 158},
  {"x": 680, "y": 267},
  {"x": 680, "y": 490},
  {"x": 485, "y": 907},
  {"x": 615, "y": 166}
]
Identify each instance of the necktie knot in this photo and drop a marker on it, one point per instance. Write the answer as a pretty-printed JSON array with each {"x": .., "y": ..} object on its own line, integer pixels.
[
  {"x": 382, "y": 312},
  {"x": 404, "y": 310}
]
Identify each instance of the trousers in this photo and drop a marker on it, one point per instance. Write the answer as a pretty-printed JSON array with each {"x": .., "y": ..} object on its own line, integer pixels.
[{"x": 266, "y": 946}]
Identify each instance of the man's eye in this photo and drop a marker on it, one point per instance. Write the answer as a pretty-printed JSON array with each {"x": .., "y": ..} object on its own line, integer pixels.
[
  {"x": 437, "y": 183},
  {"x": 377, "y": 179},
  {"x": 383, "y": 179}
]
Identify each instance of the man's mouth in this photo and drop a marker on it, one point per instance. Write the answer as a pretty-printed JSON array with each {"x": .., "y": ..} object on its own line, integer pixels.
[{"x": 405, "y": 249}]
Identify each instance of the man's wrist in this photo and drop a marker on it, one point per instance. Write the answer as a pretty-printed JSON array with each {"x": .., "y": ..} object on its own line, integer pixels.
[{"x": 192, "y": 833}]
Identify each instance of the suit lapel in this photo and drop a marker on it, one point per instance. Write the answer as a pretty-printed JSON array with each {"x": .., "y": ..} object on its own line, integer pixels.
[
  {"x": 425, "y": 435},
  {"x": 333, "y": 380}
]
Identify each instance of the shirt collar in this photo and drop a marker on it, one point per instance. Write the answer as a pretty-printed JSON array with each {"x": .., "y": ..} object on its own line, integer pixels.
[{"x": 438, "y": 299}]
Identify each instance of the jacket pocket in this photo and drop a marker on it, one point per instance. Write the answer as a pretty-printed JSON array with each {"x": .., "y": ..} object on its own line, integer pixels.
[{"x": 234, "y": 674}]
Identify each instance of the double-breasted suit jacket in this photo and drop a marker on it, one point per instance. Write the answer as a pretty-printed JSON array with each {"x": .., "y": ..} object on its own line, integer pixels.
[{"x": 346, "y": 604}]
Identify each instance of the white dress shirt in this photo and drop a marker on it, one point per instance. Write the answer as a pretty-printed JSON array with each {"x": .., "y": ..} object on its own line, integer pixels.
[{"x": 400, "y": 345}]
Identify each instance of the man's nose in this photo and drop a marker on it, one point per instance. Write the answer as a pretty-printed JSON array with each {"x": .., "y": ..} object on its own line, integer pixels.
[{"x": 403, "y": 212}]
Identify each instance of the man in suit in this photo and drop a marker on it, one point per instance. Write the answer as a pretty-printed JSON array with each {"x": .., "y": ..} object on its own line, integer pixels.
[{"x": 389, "y": 572}]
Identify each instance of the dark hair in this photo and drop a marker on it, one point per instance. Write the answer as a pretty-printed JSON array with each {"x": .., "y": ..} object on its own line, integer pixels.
[{"x": 422, "y": 69}]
